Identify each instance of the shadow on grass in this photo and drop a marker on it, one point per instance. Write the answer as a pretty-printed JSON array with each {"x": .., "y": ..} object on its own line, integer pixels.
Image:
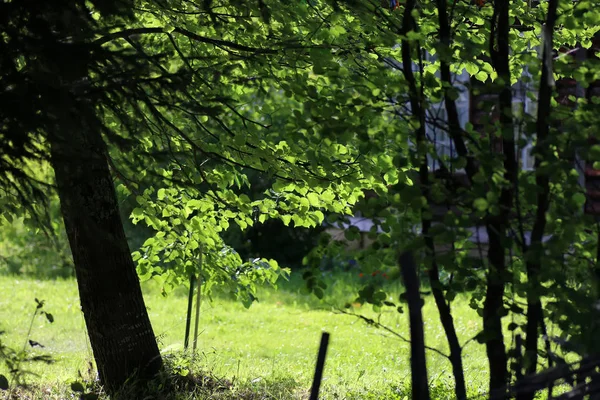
[
  {"x": 182, "y": 379},
  {"x": 179, "y": 380}
]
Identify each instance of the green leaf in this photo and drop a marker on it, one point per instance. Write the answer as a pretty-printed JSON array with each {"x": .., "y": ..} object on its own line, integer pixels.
[
  {"x": 244, "y": 199},
  {"x": 578, "y": 199},
  {"x": 39, "y": 303},
  {"x": 318, "y": 292},
  {"x": 481, "y": 76},
  {"x": 49, "y": 317},
  {"x": 379, "y": 296},
  {"x": 313, "y": 199},
  {"x": 450, "y": 295},
  {"x": 328, "y": 196},
  {"x": 480, "y": 204},
  {"x": 471, "y": 68},
  {"x": 304, "y": 203},
  {"x": 337, "y": 30},
  {"x": 351, "y": 233},
  {"x": 194, "y": 204},
  {"x": 320, "y": 216},
  {"x": 77, "y": 387}
]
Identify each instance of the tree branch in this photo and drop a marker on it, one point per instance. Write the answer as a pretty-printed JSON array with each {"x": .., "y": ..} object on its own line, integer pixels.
[{"x": 125, "y": 33}]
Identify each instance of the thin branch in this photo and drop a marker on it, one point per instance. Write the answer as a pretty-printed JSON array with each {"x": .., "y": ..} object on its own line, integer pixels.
[
  {"x": 126, "y": 33},
  {"x": 377, "y": 324}
]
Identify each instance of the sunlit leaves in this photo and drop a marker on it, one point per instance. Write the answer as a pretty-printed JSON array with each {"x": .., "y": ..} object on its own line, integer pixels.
[{"x": 318, "y": 108}]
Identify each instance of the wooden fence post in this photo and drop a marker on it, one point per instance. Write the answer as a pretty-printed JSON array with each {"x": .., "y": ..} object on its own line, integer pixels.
[{"x": 314, "y": 391}]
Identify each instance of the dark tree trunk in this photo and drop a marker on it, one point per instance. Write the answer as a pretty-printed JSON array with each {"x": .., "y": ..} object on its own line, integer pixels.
[
  {"x": 492, "y": 313},
  {"x": 497, "y": 225},
  {"x": 418, "y": 365},
  {"x": 455, "y": 132},
  {"x": 454, "y": 129},
  {"x": 460, "y": 388},
  {"x": 492, "y": 319},
  {"x": 408, "y": 269},
  {"x": 534, "y": 306},
  {"x": 119, "y": 329}
]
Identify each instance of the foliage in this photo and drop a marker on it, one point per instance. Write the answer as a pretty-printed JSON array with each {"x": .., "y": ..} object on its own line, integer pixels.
[
  {"x": 507, "y": 203},
  {"x": 273, "y": 240},
  {"x": 84, "y": 393},
  {"x": 328, "y": 100},
  {"x": 211, "y": 136},
  {"x": 182, "y": 237},
  {"x": 28, "y": 247},
  {"x": 30, "y": 251}
]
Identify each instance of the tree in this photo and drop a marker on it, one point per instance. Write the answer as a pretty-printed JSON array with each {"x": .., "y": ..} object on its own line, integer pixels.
[
  {"x": 360, "y": 111},
  {"x": 492, "y": 49},
  {"x": 92, "y": 87},
  {"x": 316, "y": 97},
  {"x": 50, "y": 69}
]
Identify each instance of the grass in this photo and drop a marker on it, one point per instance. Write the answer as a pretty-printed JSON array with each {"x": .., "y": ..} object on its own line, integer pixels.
[{"x": 270, "y": 348}]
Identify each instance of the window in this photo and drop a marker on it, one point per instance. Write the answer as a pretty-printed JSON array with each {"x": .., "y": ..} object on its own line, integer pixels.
[
  {"x": 524, "y": 112},
  {"x": 527, "y": 160},
  {"x": 436, "y": 131}
]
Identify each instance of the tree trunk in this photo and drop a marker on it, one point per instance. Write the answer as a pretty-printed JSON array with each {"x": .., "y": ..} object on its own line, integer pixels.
[
  {"x": 119, "y": 329},
  {"x": 492, "y": 314},
  {"x": 455, "y": 131},
  {"x": 535, "y": 315},
  {"x": 497, "y": 225},
  {"x": 460, "y": 387},
  {"x": 418, "y": 364}
]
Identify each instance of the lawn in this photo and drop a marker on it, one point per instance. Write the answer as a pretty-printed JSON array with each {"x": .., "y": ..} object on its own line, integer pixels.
[{"x": 271, "y": 345}]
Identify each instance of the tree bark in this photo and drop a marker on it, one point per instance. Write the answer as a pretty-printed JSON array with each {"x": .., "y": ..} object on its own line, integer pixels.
[
  {"x": 455, "y": 132},
  {"x": 418, "y": 364},
  {"x": 420, "y": 388},
  {"x": 497, "y": 225},
  {"x": 460, "y": 389},
  {"x": 119, "y": 329},
  {"x": 534, "y": 306},
  {"x": 454, "y": 129}
]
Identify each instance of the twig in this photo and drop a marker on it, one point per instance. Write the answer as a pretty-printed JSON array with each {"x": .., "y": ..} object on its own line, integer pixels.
[{"x": 388, "y": 329}]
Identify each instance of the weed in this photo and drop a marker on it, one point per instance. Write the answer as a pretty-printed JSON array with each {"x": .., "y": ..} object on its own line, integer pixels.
[{"x": 16, "y": 360}]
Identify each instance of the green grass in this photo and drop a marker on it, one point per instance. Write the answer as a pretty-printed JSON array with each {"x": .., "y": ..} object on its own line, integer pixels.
[{"x": 270, "y": 347}]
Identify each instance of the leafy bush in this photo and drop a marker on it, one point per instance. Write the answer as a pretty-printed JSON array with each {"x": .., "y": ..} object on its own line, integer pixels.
[{"x": 27, "y": 251}]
